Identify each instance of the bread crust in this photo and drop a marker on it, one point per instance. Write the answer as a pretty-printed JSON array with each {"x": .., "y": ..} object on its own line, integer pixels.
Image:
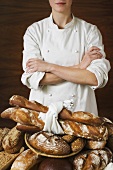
[
  {"x": 49, "y": 143},
  {"x": 26, "y": 160},
  {"x": 92, "y": 160},
  {"x": 13, "y": 141}
]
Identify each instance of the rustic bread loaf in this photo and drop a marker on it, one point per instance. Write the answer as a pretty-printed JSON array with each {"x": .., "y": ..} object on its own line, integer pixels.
[
  {"x": 55, "y": 164},
  {"x": 27, "y": 128},
  {"x": 92, "y": 160},
  {"x": 91, "y": 144},
  {"x": 23, "y": 116},
  {"x": 49, "y": 143},
  {"x": 78, "y": 144},
  {"x": 82, "y": 117},
  {"x": 69, "y": 138},
  {"x": 17, "y": 100},
  {"x": 84, "y": 131},
  {"x": 13, "y": 141},
  {"x": 6, "y": 159},
  {"x": 3, "y": 132},
  {"x": 26, "y": 160}
]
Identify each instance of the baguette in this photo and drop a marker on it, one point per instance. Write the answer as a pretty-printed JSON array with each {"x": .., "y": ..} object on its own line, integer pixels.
[
  {"x": 30, "y": 117},
  {"x": 82, "y": 117},
  {"x": 27, "y": 128},
  {"x": 23, "y": 116},
  {"x": 21, "y": 101},
  {"x": 84, "y": 131},
  {"x": 26, "y": 160}
]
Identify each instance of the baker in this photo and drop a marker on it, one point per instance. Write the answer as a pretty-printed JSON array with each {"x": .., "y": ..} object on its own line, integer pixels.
[{"x": 64, "y": 59}]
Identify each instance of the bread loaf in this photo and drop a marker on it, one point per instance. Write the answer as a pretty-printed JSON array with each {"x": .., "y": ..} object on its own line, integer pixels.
[
  {"x": 13, "y": 141},
  {"x": 84, "y": 131},
  {"x": 49, "y": 143},
  {"x": 21, "y": 101},
  {"x": 55, "y": 164},
  {"x": 91, "y": 144},
  {"x": 6, "y": 159},
  {"x": 26, "y": 160},
  {"x": 69, "y": 138},
  {"x": 27, "y": 128},
  {"x": 92, "y": 160},
  {"x": 78, "y": 144},
  {"x": 82, "y": 117},
  {"x": 109, "y": 124},
  {"x": 23, "y": 116},
  {"x": 3, "y": 132}
]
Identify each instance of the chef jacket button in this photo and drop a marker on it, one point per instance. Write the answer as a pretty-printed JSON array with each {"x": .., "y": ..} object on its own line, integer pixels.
[
  {"x": 76, "y": 51},
  {"x": 48, "y": 30},
  {"x": 73, "y": 95},
  {"x": 50, "y": 95},
  {"x": 48, "y": 51}
]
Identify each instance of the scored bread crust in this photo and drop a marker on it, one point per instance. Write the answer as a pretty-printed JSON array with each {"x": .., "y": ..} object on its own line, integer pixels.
[
  {"x": 49, "y": 143},
  {"x": 13, "y": 141},
  {"x": 92, "y": 159},
  {"x": 26, "y": 160},
  {"x": 83, "y": 117},
  {"x": 84, "y": 131},
  {"x": 3, "y": 133}
]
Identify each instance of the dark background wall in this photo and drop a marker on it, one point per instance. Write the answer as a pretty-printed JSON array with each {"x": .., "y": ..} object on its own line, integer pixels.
[{"x": 17, "y": 15}]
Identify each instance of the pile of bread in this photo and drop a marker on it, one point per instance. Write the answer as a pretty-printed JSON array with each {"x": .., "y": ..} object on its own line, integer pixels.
[{"x": 87, "y": 137}]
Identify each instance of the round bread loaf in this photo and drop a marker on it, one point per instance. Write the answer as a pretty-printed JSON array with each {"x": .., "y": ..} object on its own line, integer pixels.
[
  {"x": 55, "y": 164},
  {"x": 49, "y": 143}
]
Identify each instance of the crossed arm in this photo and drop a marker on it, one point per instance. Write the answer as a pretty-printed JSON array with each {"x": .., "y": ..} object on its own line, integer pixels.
[{"x": 55, "y": 74}]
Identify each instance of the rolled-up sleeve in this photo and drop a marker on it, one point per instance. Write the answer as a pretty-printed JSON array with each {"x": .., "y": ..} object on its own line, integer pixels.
[
  {"x": 31, "y": 50},
  {"x": 100, "y": 67}
]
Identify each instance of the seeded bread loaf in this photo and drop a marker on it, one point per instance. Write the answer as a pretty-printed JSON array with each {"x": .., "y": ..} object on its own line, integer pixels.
[
  {"x": 3, "y": 132},
  {"x": 13, "y": 141}
]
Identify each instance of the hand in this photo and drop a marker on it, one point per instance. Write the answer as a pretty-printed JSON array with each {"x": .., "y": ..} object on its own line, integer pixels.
[
  {"x": 92, "y": 54},
  {"x": 34, "y": 65}
]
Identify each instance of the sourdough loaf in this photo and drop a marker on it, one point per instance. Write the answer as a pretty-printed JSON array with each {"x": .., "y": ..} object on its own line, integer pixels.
[
  {"x": 55, "y": 164},
  {"x": 84, "y": 131},
  {"x": 26, "y": 160},
  {"x": 13, "y": 141},
  {"x": 92, "y": 160},
  {"x": 49, "y": 143},
  {"x": 6, "y": 159},
  {"x": 3, "y": 132},
  {"x": 83, "y": 117}
]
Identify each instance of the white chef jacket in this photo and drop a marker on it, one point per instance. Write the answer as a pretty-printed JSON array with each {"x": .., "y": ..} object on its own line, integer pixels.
[{"x": 65, "y": 47}]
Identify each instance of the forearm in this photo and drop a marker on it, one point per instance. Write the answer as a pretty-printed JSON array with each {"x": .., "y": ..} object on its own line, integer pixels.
[
  {"x": 50, "y": 78},
  {"x": 75, "y": 75}
]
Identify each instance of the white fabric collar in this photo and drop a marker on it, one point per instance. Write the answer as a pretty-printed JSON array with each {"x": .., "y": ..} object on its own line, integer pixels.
[{"x": 68, "y": 25}]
